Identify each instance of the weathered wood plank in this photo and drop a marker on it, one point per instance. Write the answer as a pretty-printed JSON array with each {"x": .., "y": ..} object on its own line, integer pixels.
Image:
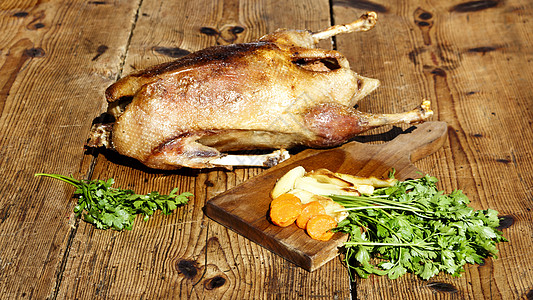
[
  {"x": 186, "y": 255},
  {"x": 473, "y": 60},
  {"x": 53, "y": 65}
]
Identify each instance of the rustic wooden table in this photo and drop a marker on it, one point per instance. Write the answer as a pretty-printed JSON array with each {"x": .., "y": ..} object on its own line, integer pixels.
[{"x": 472, "y": 59}]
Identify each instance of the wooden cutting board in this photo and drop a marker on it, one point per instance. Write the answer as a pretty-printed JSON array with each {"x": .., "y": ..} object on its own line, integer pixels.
[{"x": 244, "y": 208}]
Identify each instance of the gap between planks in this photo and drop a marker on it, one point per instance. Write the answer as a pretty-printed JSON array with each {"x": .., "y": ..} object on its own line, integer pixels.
[
  {"x": 353, "y": 283},
  {"x": 94, "y": 160},
  {"x": 90, "y": 171}
]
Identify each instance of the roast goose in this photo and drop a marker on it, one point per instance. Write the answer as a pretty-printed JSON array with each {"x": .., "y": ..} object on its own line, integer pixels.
[{"x": 274, "y": 93}]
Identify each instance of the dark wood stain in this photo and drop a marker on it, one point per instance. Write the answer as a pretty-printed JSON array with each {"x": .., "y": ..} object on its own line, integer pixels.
[
  {"x": 442, "y": 287},
  {"x": 444, "y": 56},
  {"x": 505, "y": 222},
  {"x": 425, "y": 16},
  {"x": 529, "y": 295},
  {"x": 438, "y": 72},
  {"x": 209, "y": 31},
  {"x": 4, "y": 213},
  {"x": 475, "y": 5},
  {"x": 97, "y": 2},
  {"x": 503, "y": 160},
  {"x": 36, "y": 22},
  {"x": 362, "y": 4},
  {"x": 482, "y": 50},
  {"x": 34, "y": 52},
  {"x": 424, "y": 20},
  {"x": 189, "y": 268},
  {"x": 99, "y": 51},
  {"x": 237, "y": 29},
  {"x": 415, "y": 53},
  {"x": 214, "y": 282},
  {"x": 21, "y": 14},
  {"x": 171, "y": 52}
]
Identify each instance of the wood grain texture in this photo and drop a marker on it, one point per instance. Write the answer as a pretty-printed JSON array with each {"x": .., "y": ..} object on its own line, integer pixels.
[
  {"x": 186, "y": 255},
  {"x": 49, "y": 84},
  {"x": 471, "y": 58}
]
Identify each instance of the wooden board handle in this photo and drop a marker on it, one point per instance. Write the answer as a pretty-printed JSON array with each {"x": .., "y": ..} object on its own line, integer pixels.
[
  {"x": 398, "y": 154},
  {"x": 424, "y": 140}
]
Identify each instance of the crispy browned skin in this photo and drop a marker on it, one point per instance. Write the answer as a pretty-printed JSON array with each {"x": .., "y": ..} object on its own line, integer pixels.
[{"x": 277, "y": 92}]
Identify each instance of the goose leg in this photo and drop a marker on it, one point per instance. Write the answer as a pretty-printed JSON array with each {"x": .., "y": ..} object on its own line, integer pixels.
[{"x": 364, "y": 23}]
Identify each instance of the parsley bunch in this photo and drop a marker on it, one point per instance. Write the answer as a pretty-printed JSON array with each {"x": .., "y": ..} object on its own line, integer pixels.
[
  {"x": 413, "y": 227},
  {"x": 107, "y": 207}
]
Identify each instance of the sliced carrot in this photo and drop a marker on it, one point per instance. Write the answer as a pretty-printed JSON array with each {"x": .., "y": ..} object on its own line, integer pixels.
[
  {"x": 309, "y": 210},
  {"x": 319, "y": 227},
  {"x": 285, "y": 214},
  {"x": 284, "y": 199}
]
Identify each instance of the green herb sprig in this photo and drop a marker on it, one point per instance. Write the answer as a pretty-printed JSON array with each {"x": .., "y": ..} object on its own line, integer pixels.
[
  {"x": 414, "y": 227},
  {"x": 107, "y": 207}
]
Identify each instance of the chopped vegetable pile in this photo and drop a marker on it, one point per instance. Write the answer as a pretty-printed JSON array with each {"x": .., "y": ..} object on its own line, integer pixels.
[
  {"x": 288, "y": 209},
  {"x": 302, "y": 197},
  {"x": 414, "y": 227},
  {"x": 107, "y": 207},
  {"x": 394, "y": 226}
]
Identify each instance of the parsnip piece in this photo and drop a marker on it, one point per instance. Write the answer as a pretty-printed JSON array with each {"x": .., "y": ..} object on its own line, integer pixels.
[
  {"x": 365, "y": 189},
  {"x": 286, "y": 182},
  {"x": 312, "y": 185},
  {"x": 332, "y": 208},
  {"x": 326, "y": 176},
  {"x": 373, "y": 181},
  {"x": 304, "y": 196},
  {"x": 317, "y": 185}
]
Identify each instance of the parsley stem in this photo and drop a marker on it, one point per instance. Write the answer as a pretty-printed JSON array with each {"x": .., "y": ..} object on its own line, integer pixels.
[
  {"x": 420, "y": 245},
  {"x": 348, "y": 201},
  {"x": 373, "y": 207},
  {"x": 69, "y": 180}
]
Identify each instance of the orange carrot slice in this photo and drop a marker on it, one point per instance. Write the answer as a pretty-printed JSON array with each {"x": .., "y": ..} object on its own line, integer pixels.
[
  {"x": 309, "y": 210},
  {"x": 319, "y": 227},
  {"x": 284, "y": 199},
  {"x": 285, "y": 214}
]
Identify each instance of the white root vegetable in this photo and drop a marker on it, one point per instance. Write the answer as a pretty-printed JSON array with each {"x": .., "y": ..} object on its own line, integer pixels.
[
  {"x": 365, "y": 189},
  {"x": 326, "y": 176},
  {"x": 304, "y": 196},
  {"x": 286, "y": 182},
  {"x": 317, "y": 185},
  {"x": 333, "y": 209},
  {"x": 312, "y": 185},
  {"x": 373, "y": 181}
]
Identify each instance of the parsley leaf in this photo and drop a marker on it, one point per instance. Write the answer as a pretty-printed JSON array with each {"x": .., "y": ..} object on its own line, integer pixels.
[
  {"x": 414, "y": 227},
  {"x": 107, "y": 207}
]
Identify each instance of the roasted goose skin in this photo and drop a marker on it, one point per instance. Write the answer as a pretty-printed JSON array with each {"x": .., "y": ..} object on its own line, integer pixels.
[{"x": 274, "y": 93}]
